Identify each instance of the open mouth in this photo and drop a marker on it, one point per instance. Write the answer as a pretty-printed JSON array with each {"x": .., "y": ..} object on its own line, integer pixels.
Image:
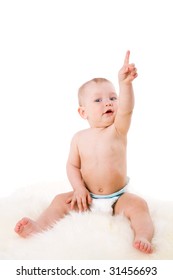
[{"x": 109, "y": 111}]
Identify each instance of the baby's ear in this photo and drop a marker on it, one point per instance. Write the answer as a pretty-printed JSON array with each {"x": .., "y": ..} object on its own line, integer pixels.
[{"x": 82, "y": 112}]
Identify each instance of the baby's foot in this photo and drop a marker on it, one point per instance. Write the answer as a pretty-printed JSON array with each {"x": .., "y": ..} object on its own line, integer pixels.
[
  {"x": 26, "y": 227},
  {"x": 143, "y": 245}
]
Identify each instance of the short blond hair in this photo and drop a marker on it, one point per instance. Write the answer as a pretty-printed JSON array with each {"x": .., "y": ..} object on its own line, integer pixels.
[{"x": 83, "y": 87}]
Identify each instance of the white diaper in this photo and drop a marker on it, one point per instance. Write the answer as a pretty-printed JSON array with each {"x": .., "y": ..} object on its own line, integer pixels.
[{"x": 105, "y": 203}]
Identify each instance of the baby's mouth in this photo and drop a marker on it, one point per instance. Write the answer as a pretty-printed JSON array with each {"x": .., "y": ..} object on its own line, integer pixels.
[{"x": 109, "y": 111}]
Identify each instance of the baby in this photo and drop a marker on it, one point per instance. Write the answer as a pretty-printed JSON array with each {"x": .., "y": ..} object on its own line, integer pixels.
[{"x": 96, "y": 166}]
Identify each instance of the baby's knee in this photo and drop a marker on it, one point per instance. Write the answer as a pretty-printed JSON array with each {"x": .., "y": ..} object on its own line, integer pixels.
[
  {"x": 130, "y": 203},
  {"x": 138, "y": 204},
  {"x": 62, "y": 199},
  {"x": 59, "y": 198}
]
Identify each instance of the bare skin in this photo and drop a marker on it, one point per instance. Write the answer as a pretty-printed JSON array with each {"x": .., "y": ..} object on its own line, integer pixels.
[
  {"x": 136, "y": 210},
  {"x": 26, "y": 227},
  {"x": 97, "y": 160},
  {"x": 142, "y": 241}
]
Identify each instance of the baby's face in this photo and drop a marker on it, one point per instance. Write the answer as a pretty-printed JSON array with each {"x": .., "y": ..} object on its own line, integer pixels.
[{"x": 100, "y": 104}]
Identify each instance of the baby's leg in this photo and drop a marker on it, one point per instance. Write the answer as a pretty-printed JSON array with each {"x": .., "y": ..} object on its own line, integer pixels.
[
  {"x": 136, "y": 209},
  {"x": 56, "y": 210}
]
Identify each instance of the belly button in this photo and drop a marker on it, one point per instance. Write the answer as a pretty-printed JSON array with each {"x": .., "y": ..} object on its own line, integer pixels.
[{"x": 100, "y": 190}]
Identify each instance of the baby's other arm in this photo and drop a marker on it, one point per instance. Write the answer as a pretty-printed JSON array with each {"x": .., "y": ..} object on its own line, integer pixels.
[
  {"x": 126, "y": 96},
  {"x": 81, "y": 195}
]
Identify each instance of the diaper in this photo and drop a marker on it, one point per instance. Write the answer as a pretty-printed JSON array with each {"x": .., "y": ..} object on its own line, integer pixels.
[{"x": 105, "y": 203}]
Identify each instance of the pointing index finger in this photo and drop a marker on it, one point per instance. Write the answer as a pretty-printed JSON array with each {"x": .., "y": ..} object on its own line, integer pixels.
[{"x": 126, "y": 60}]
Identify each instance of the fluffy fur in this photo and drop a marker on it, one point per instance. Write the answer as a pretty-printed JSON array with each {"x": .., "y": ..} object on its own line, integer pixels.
[{"x": 78, "y": 236}]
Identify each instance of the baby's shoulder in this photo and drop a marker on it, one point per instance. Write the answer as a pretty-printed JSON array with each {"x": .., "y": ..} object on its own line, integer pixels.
[{"x": 82, "y": 133}]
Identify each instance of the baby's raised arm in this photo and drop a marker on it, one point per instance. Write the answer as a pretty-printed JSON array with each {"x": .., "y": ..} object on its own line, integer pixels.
[
  {"x": 126, "y": 95},
  {"x": 81, "y": 195}
]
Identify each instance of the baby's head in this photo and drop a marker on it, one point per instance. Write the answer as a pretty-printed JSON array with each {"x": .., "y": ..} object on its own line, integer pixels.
[{"x": 98, "y": 102}]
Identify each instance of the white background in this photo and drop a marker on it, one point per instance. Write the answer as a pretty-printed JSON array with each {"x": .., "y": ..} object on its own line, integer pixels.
[{"x": 47, "y": 50}]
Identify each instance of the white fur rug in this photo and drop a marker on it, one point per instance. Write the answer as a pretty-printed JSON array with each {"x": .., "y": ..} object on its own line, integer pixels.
[{"x": 78, "y": 236}]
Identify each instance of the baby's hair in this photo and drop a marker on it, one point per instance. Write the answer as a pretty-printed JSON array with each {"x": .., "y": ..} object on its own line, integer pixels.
[{"x": 82, "y": 88}]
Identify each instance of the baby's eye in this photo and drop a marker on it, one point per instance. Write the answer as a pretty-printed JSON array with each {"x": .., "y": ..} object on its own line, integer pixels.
[
  {"x": 98, "y": 100},
  {"x": 113, "y": 98}
]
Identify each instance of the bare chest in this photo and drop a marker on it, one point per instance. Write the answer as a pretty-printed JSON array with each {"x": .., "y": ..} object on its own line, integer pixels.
[{"x": 97, "y": 147}]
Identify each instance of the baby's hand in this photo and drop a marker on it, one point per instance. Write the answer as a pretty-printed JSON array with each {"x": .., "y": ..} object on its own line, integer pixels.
[
  {"x": 82, "y": 198},
  {"x": 128, "y": 72}
]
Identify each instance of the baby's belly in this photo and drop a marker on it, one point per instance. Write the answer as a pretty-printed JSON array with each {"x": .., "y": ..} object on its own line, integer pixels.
[{"x": 104, "y": 182}]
